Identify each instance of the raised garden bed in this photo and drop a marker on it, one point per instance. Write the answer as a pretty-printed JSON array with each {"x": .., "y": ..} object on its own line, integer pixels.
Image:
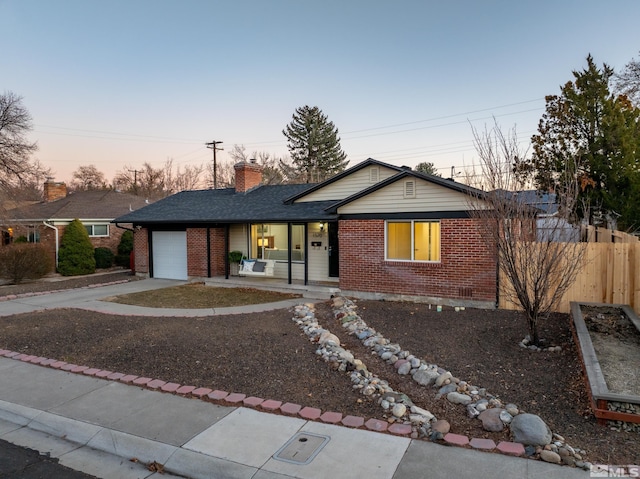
[{"x": 609, "y": 340}]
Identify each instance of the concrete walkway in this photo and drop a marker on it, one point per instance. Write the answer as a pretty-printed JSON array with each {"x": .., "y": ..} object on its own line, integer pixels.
[{"x": 99, "y": 426}]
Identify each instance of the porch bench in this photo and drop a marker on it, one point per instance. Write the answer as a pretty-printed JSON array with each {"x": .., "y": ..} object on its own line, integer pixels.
[{"x": 266, "y": 270}]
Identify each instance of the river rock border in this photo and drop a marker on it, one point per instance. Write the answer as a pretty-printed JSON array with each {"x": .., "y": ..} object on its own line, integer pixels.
[{"x": 527, "y": 429}]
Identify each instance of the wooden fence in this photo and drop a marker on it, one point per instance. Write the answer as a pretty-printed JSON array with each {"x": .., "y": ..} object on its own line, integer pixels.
[{"x": 610, "y": 272}]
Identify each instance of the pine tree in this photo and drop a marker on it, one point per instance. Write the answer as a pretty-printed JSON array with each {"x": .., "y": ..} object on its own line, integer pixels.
[
  {"x": 314, "y": 144},
  {"x": 76, "y": 254}
]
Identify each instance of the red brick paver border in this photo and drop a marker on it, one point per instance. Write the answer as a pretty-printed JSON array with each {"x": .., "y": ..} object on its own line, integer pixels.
[
  {"x": 456, "y": 439},
  {"x": 353, "y": 421},
  {"x": 376, "y": 425},
  {"x": 170, "y": 387},
  {"x": 310, "y": 413},
  {"x": 271, "y": 405},
  {"x": 400, "y": 429},
  {"x": 218, "y": 395},
  {"x": 331, "y": 417},
  {"x": 290, "y": 409},
  {"x": 156, "y": 384},
  {"x": 252, "y": 401},
  {"x": 140, "y": 381},
  {"x": 235, "y": 398},
  {"x": 511, "y": 448},
  {"x": 201, "y": 392},
  {"x": 484, "y": 444},
  {"x": 185, "y": 389}
]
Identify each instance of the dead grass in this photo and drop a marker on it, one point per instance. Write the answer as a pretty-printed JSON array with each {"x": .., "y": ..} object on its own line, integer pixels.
[{"x": 198, "y": 296}]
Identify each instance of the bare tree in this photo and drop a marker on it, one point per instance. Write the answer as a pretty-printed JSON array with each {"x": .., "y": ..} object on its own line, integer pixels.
[
  {"x": 535, "y": 273},
  {"x": 15, "y": 149},
  {"x": 627, "y": 82},
  {"x": 88, "y": 178},
  {"x": 190, "y": 177},
  {"x": 275, "y": 170}
]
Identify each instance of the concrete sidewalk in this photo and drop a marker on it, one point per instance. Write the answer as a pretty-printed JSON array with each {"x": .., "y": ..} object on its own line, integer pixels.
[{"x": 98, "y": 426}]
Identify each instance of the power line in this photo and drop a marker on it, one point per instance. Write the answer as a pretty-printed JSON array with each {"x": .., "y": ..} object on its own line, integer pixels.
[{"x": 213, "y": 145}]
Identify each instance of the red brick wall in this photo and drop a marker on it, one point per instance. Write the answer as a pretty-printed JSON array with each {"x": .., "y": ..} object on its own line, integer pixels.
[
  {"x": 197, "y": 251},
  {"x": 467, "y": 269},
  {"x": 248, "y": 175},
  {"x": 141, "y": 250}
]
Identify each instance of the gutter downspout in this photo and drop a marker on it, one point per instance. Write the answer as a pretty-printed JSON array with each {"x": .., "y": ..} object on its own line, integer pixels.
[
  {"x": 123, "y": 227},
  {"x": 57, "y": 239}
]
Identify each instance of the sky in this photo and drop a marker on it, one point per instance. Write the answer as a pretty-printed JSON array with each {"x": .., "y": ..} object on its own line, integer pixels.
[{"x": 119, "y": 83}]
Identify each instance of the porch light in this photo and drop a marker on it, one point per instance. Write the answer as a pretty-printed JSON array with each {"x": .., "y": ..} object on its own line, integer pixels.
[{"x": 321, "y": 227}]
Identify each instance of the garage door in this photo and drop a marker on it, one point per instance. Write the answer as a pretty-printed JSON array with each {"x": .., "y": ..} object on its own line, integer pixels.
[{"x": 170, "y": 254}]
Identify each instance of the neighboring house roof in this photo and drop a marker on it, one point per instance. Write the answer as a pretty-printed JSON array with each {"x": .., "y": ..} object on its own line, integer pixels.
[
  {"x": 264, "y": 203},
  {"x": 545, "y": 202},
  {"x": 345, "y": 173},
  {"x": 333, "y": 208},
  {"x": 84, "y": 205}
]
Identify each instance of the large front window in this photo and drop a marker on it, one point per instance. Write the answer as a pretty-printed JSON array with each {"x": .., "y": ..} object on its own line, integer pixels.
[
  {"x": 270, "y": 241},
  {"x": 413, "y": 240}
]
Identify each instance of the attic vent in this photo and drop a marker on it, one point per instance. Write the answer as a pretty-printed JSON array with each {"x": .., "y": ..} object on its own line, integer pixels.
[
  {"x": 374, "y": 174},
  {"x": 410, "y": 189}
]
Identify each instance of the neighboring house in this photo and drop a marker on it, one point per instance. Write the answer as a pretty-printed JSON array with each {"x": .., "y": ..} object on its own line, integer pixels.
[
  {"x": 375, "y": 230},
  {"x": 44, "y": 222},
  {"x": 549, "y": 225}
]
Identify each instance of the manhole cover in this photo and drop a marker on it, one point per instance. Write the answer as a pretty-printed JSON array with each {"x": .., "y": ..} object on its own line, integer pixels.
[{"x": 301, "y": 448}]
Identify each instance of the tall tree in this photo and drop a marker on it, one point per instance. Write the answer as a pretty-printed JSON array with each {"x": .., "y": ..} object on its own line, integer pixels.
[
  {"x": 88, "y": 178},
  {"x": 427, "y": 168},
  {"x": 15, "y": 148},
  {"x": 314, "y": 144},
  {"x": 590, "y": 134},
  {"x": 627, "y": 82},
  {"x": 272, "y": 166}
]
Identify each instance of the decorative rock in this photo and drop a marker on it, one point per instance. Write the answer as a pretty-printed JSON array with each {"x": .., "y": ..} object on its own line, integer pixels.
[
  {"x": 405, "y": 368},
  {"x": 399, "y": 410},
  {"x": 550, "y": 456},
  {"x": 512, "y": 409},
  {"x": 329, "y": 339},
  {"x": 442, "y": 378},
  {"x": 472, "y": 411},
  {"x": 505, "y": 417},
  {"x": 491, "y": 420},
  {"x": 422, "y": 412},
  {"x": 458, "y": 398},
  {"x": 481, "y": 405},
  {"x": 446, "y": 390},
  {"x": 425, "y": 377},
  {"x": 530, "y": 429},
  {"x": 441, "y": 426}
]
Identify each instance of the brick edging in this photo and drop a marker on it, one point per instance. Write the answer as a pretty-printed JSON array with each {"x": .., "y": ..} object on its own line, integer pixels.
[
  {"x": 266, "y": 405},
  {"x": 10, "y": 297}
]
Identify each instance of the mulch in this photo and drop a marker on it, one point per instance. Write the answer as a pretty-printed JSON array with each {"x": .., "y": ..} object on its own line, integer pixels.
[{"x": 266, "y": 355}]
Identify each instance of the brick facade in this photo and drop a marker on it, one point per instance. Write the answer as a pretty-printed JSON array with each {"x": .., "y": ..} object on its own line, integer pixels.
[
  {"x": 197, "y": 261},
  {"x": 141, "y": 249},
  {"x": 467, "y": 269}
]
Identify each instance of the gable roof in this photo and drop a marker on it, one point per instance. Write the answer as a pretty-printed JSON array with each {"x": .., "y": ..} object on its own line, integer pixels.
[
  {"x": 363, "y": 164},
  {"x": 259, "y": 205},
  {"x": 92, "y": 204},
  {"x": 468, "y": 190}
]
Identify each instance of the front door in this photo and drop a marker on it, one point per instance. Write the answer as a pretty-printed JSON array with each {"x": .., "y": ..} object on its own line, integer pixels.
[{"x": 334, "y": 252}]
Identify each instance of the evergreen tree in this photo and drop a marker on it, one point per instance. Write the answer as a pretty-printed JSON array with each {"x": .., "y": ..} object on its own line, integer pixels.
[
  {"x": 590, "y": 134},
  {"x": 427, "y": 168},
  {"x": 76, "y": 255},
  {"x": 314, "y": 144}
]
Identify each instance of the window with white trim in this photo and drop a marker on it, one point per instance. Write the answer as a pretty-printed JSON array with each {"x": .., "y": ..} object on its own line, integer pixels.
[
  {"x": 412, "y": 240},
  {"x": 97, "y": 230}
]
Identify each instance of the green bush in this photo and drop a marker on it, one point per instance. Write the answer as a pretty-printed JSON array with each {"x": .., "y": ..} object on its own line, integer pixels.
[
  {"x": 235, "y": 256},
  {"x": 24, "y": 261},
  {"x": 75, "y": 256},
  {"x": 104, "y": 257},
  {"x": 20, "y": 239},
  {"x": 125, "y": 247}
]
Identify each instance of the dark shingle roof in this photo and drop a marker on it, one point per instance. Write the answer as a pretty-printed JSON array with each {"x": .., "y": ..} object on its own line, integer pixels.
[
  {"x": 94, "y": 204},
  {"x": 261, "y": 204}
]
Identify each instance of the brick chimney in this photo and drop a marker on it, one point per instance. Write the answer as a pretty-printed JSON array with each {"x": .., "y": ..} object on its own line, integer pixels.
[
  {"x": 248, "y": 175},
  {"x": 54, "y": 190}
]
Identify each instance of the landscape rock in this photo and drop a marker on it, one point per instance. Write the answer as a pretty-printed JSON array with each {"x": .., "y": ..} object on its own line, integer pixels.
[
  {"x": 441, "y": 426},
  {"x": 399, "y": 410},
  {"x": 531, "y": 430},
  {"x": 550, "y": 456},
  {"x": 491, "y": 420},
  {"x": 425, "y": 377},
  {"x": 458, "y": 398},
  {"x": 442, "y": 378}
]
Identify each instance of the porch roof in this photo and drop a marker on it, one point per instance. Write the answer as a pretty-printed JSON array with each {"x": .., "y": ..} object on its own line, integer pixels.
[{"x": 261, "y": 204}]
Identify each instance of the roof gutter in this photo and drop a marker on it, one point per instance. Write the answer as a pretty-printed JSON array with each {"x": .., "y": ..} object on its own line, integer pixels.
[
  {"x": 122, "y": 227},
  {"x": 57, "y": 239}
]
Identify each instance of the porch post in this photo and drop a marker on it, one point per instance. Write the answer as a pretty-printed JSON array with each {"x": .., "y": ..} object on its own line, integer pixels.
[
  {"x": 306, "y": 254},
  {"x": 289, "y": 255},
  {"x": 226, "y": 251},
  {"x": 208, "y": 252}
]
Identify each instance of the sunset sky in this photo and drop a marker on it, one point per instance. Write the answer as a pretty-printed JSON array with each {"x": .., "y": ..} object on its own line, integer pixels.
[{"x": 123, "y": 82}]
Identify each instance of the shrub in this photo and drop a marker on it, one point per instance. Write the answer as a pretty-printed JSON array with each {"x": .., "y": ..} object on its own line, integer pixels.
[
  {"x": 125, "y": 247},
  {"x": 235, "y": 256},
  {"x": 20, "y": 239},
  {"x": 25, "y": 261},
  {"x": 75, "y": 256},
  {"x": 104, "y": 257}
]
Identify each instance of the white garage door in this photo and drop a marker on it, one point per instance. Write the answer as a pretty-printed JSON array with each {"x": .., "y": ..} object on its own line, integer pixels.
[{"x": 170, "y": 254}]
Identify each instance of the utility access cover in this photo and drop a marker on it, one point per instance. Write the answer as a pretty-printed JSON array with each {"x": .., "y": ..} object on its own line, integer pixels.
[{"x": 301, "y": 448}]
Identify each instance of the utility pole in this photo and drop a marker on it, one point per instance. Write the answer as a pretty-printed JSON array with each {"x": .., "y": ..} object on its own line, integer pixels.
[
  {"x": 135, "y": 180},
  {"x": 212, "y": 145}
]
